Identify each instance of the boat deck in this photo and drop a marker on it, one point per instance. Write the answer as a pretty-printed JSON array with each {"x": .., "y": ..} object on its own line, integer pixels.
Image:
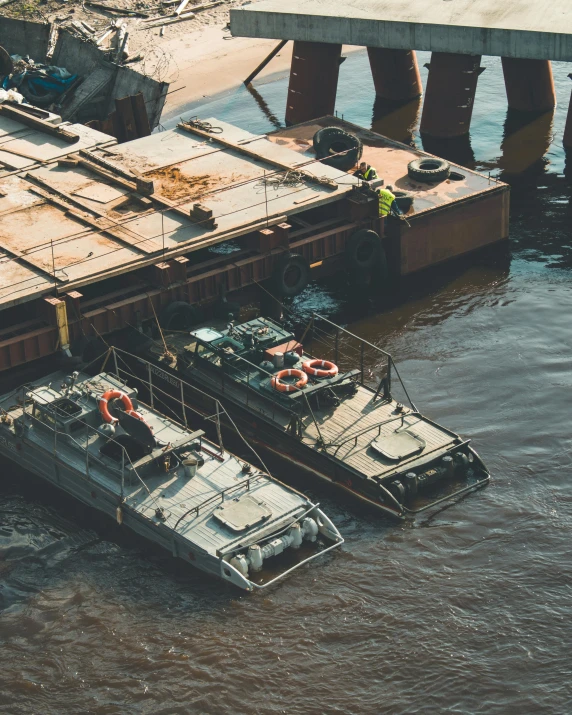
[
  {"x": 391, "y": 159},
  {"x": 72, "y": 214},
  {"x": 220, "y": 479},
  {"x": 359, "y": 416},
  {"x": 177, "y": 495}
]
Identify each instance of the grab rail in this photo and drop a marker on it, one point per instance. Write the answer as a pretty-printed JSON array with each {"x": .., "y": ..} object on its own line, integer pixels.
[
  {"x": 221, "y": 495},
  {"x": 362, "y": 344},
  {"x": 355, "y": 436}
]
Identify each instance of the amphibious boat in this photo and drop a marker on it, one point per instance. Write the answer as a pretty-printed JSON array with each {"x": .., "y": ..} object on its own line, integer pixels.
[
  {"x": 322, "y": 412},
  {"x": 91, "y": 437}
]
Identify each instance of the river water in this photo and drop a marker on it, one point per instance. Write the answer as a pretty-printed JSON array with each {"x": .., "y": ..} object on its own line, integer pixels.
[{"x": 464, "y": 611}]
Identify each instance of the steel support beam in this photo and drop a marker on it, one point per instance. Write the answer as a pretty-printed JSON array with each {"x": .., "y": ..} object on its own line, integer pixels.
[
  {"x": 313, "y": 81},
  {"x": 450, "y": 94},
  {"x": 395, "y": 74},
  {"x": 529, "y": 84}
]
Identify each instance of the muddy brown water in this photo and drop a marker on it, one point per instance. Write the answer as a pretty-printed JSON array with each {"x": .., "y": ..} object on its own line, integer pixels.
[{"x": 463, "y": 611}]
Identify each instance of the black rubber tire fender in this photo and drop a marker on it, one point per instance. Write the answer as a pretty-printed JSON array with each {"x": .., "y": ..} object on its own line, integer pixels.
[
  {"x": 290, "y": 275},
  {"x": 404, "y": 200},
  {"x": 38, "y": 100},
  {"x": 329, "y": 147},
  {"x": 429, "y": 169},
  {"x": 362, "y": 250},
  {"x": 321, "y": 134},
  {"x": 179, "y": 315}
]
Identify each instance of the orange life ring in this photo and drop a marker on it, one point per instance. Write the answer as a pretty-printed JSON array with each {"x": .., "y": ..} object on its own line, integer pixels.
[
  {"x": 277, "y": 383},
  {"x": 320, "y": 368},
  {"x": 113, "y": 395}
]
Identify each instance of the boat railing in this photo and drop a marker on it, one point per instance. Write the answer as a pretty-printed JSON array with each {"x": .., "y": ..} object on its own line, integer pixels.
[
  {"x": 90, "y": 458},
  {"x": 245, "y": 484},
  {"x": 346, "y": 349},
  {"x": 295, "y": 419},
  {"x": 177, "y": 402},
  {"x": 356, "y": 435}
]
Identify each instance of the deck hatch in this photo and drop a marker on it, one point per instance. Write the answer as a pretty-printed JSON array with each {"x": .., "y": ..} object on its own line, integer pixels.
[
  {"x": 398, "y": 445},
  {"x": 242, "y": 513}
]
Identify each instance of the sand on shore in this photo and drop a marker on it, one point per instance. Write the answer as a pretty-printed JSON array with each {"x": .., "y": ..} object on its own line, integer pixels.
[{"x": 210, "y": 61}]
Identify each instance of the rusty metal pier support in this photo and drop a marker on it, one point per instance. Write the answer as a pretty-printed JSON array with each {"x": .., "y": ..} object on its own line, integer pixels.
[
  {"x": 313, "y": 81},
  {"x": 395, "y": 73},
  {"x": 567, "y": 140},
  {"x": 450, "y": 94},
  {"x": 529, "y": 84}
]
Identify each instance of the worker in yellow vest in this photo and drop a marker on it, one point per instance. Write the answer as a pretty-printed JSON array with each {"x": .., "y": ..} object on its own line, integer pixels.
[
  {"x": 366, "y": 172},
  {"x": 386, "y": 199}
]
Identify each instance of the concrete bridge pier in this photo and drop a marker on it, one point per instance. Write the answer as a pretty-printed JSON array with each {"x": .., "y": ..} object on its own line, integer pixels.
[
  {"x": 395, "y": 74},
  {"x": 313, "y": 81},
  {"x": 450, "y": 94},
  {"x": 529, "y": 84}
]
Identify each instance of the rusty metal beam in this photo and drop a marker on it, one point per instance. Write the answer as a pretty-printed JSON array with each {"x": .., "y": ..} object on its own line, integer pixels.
[
  {"x": 529, "y": 84},
  {"x": 450, "y": 94},
  {"x": 313, "y": 81},
  {"x": 395, "y": 74}
]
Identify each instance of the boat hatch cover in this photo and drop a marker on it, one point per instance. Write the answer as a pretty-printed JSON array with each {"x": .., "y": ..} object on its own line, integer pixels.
[
  {"x": 206, "y": 335},
  {"x": 242, "y": 513},
  {"x": 398, "y": 445},
  {"x": 138, "y": 429}
]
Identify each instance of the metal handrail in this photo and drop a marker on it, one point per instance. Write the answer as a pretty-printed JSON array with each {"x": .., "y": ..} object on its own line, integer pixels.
[
  {"x": 93, "y": 430},
  {"x": 221, "y": 494},
  {"x": 356, "y": 435},
  {"x": 363, "y": 342}
]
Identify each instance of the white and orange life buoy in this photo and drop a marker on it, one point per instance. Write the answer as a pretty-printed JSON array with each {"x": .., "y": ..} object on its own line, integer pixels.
[
  {"x": 277, "y": 383},
  {"x": 320, "y": 368},
  {"x": 113, "y": 395}
]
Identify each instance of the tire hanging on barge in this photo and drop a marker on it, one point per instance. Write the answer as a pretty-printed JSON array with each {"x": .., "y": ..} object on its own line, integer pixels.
[
  {"x": 366, "y": 260},
  {"x": 290, "y": 276},
  {"x": 179, "y": 315}
]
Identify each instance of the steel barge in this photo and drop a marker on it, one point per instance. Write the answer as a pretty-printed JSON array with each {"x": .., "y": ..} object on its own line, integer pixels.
[
  {"x": 91, "y": 437},
  {"x": 327, "y": 420}
]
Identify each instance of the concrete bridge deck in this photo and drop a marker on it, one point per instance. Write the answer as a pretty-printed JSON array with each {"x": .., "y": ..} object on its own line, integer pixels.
[
  {"x": 526, "y": 34},
  {"x": 526, "y": 29}
]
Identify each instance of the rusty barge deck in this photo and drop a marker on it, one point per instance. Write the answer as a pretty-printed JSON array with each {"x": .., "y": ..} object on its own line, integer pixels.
[{"x": 95, "y": 236}]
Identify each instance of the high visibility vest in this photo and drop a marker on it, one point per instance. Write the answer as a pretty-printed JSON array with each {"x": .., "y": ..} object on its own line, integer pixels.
[
  {"x": 370, "y": 173},
  {"x": 386, "y": 198}
]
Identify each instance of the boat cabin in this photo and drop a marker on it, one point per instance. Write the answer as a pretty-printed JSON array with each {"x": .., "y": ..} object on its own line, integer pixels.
[
  {"x": 267, "y": 358},
  {"x": 128, "y": 440}
]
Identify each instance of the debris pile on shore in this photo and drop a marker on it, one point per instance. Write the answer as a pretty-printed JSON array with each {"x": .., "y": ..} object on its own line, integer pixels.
[{"x": 39, "y": 84}]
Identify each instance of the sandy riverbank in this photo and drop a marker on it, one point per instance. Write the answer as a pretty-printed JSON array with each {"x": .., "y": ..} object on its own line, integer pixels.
[{"x": 210, "y": 61}]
